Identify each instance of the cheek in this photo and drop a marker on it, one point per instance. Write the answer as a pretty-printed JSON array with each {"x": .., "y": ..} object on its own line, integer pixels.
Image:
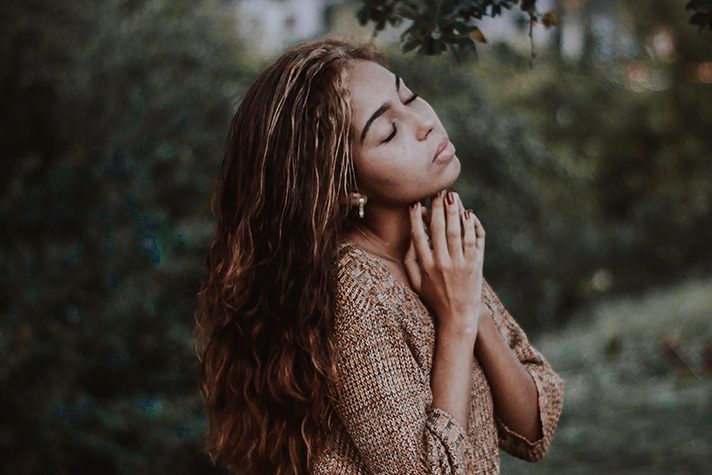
[{"x": 383, "y": 168}]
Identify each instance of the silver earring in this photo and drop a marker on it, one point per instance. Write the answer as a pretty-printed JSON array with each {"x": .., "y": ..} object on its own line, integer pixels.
[{"x": 361, "y": 202}]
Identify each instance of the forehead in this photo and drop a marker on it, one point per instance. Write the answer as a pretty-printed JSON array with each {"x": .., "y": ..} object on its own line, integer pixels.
[
  {"x": 364, "y": 71},
  {"x": 369, "y": 84}
]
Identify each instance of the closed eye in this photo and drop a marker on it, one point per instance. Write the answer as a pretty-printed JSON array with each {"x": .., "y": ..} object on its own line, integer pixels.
[
  {"x": 414, "y": 97},
  {"x": 395, "y": 129}
]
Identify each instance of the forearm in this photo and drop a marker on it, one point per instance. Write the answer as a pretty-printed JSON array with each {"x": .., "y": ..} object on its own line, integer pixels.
[
  {"x": 451, "y": 376},
  {"x": 513, "y": 390}
]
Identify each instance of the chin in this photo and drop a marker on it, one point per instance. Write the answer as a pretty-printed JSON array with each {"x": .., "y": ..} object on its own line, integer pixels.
[
  {"x": 453, "y": 169},
  {"x": 448, "y": 175}
]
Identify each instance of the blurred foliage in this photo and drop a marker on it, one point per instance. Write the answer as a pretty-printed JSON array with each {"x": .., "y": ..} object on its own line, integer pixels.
[
  {"x": 113, "y": 121},
  {"x": 436, "y": 26},
  {"x": 591, "y": 176},
  {"x": 638, "y": 386},
  {"x": 439, "y": 25},
  {"x": 703, "y": 13},
  {"x": 514, "y": 185}
]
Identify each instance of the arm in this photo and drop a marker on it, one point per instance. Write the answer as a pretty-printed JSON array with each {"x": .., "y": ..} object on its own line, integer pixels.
[
  {"x": 513, "y": 391},
  {"x": 451, "y": 378},
  {"x": 384, "y": 399},
  {"x": 527, "y": 393}
]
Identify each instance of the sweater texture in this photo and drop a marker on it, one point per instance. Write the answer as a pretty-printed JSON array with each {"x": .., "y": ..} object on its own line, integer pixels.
[{"x": 386, "y": 424}]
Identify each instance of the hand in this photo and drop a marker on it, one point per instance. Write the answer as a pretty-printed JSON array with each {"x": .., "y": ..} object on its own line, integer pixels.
[
  {"x": 426, "y": 221},
  {"x": 448, "y": 273}
]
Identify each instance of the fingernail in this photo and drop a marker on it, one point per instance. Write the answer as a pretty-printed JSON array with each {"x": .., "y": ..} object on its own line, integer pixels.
[{"x": 450, "y": 198}]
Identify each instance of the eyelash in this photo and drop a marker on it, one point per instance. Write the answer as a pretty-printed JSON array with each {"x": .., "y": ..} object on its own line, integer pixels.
[{"x": 395, "y": 129}]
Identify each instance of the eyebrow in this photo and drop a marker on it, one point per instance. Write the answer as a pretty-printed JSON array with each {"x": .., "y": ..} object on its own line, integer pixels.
[{"x": 379, "y": 112}]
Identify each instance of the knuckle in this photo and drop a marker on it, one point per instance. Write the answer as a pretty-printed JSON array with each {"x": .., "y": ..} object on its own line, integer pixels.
[{"x": 443, "y": 265}]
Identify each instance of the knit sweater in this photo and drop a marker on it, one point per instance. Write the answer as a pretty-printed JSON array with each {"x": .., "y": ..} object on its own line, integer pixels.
[{"x": 386, "y": 424}]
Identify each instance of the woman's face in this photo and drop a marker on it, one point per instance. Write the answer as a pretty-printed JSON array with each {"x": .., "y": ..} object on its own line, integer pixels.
[{"x": 395, "y": 139}]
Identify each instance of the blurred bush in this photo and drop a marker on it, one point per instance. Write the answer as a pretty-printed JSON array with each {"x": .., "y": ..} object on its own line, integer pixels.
[
  {"x": 113, "y": 120},
  {"x": 638, "y": 383}
]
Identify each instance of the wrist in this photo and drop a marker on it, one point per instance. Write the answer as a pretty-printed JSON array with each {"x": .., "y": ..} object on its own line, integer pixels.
[
  {"x": 459, "y": 328},
  {"x": 486, "y": 330}
]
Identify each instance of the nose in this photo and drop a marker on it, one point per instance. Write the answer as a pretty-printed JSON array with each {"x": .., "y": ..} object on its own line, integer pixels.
[{"x": 424, "y": 123}]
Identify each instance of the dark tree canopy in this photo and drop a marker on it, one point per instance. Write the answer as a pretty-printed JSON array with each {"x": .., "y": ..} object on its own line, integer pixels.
[{"x": 441, "y": 25}]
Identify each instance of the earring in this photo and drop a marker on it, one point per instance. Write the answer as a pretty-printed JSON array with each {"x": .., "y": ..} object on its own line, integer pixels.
[
  {"x": 358, "y": 198},
  {"x": 361, "y": 202}
]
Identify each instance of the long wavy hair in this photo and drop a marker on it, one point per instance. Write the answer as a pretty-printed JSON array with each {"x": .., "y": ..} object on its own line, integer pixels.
[{"x": 263, "y": 318}]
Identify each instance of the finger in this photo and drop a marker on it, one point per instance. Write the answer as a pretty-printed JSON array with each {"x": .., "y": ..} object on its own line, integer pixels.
[
  {"x": 452, "y": 213},
  {"x": 437, "y": 227},
  {"x": 469, "y": 240},
  {"x": 426, "y": 221},
  {"x": 426, "y": 215},
  {"x": 460, "y": 204},
  {"x": 479, "y": 237},
  {"x": 411, "y": 267},
  {"x": 419, "y": 237},
  {"x": 461, "y": 211},
  {"x": 479, "y": 232}
]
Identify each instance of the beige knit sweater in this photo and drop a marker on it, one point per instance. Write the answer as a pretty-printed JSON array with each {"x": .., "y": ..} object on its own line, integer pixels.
[{"x": 386, "y": 424}]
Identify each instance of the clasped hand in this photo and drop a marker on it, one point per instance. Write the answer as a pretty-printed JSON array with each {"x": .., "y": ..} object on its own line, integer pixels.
[{"x": 445, "y": 258}]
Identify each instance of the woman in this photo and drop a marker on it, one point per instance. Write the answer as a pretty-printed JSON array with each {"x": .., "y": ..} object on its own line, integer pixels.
[{"x": 340, "y": 329}]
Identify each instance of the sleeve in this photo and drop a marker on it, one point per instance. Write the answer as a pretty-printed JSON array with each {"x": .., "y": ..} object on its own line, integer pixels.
[
  {"x": 549, "y": 385},
  {"x": 384, "y": 399}
]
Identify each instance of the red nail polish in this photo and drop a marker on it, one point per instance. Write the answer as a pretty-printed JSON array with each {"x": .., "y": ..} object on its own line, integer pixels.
[{"x": 450, "y": 198}]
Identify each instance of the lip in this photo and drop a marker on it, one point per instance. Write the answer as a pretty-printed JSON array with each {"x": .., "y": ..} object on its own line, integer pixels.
[{"x": 445, "y": 148}]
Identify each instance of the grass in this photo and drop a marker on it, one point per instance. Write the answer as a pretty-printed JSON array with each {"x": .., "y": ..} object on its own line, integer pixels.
[{"x": 638, "y": 392}]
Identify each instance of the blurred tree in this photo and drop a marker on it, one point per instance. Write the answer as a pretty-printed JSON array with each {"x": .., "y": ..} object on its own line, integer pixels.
[
  {"x": 703, "y": 13},
  {"x": 521, "y": 190},
  {"x": 590, "y": 175},
  {"x": 112, "y": 127},
  {"x": 437, "y": 26},
  {"x": 634, "y": 128}
]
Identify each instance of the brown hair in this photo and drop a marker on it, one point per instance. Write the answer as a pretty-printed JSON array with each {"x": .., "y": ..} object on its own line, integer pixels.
[{"x": 264, "y": 310}]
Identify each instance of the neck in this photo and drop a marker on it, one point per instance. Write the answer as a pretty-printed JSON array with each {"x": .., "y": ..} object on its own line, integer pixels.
[{"x": 386, "y": 231}]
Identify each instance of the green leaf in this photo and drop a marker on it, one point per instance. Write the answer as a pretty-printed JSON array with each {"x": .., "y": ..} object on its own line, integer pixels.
[
  {"x": 702, "y": 20},
  {"x": 362, "y": 15}
]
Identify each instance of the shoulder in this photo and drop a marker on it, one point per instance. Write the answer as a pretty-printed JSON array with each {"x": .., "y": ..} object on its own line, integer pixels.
[
  {"x": 357, "y": 275},
  {"x": 362, "y": 290}
]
